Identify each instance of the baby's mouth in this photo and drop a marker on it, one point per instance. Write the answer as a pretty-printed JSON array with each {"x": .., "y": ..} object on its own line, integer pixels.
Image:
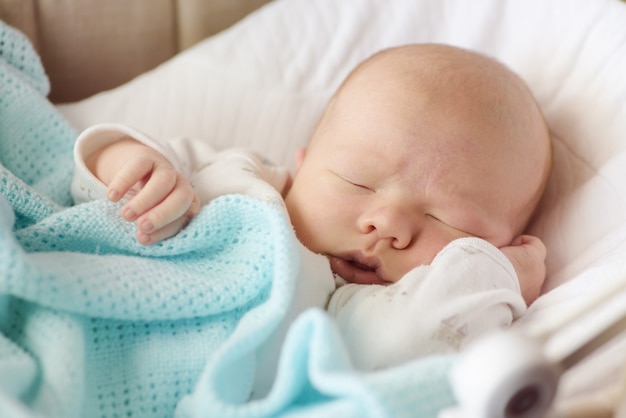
[{"x": 360, "y": 271}]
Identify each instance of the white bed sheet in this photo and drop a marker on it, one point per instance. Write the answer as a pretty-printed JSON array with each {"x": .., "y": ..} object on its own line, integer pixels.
[{"x": 264, "y": 83}]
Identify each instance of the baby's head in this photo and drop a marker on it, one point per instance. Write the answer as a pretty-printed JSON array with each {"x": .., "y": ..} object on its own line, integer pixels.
[{"x": 422, "y": 144}]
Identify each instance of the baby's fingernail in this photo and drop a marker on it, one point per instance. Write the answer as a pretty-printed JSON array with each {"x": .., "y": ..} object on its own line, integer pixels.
[
  {"x": 146, "y": 225},
  {"x": 113, "y": 195},
  {"x": 128, "y": 213},
  {"x": 143, "y": 239}
]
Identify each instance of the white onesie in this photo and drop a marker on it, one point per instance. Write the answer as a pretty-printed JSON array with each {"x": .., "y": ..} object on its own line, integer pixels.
[{"x": 468, "y": 289}]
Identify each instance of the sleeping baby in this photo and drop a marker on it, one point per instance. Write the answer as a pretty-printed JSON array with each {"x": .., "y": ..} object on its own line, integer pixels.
[{"x": 415, "y": 190}]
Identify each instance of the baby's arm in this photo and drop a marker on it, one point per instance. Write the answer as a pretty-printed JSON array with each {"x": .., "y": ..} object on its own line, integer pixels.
[
  {"x": 469, "y": 288},
  {"x": 162, "y": 201},
  {"x": 528, "y": 255},
  {"x": 166, "y": 182}
]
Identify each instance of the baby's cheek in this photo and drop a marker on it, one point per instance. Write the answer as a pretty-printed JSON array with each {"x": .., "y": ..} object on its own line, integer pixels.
[
  {"x": 422, "y": 252},
  {"x": 310, "y": 228},
  {"x": 409, "y": 261}
]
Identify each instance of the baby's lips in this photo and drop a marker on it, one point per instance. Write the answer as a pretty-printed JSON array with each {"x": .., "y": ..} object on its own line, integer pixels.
[{"x": 354, "y": 274}]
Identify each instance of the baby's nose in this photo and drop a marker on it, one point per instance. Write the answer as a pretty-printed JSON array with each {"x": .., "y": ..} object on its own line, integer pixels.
[{"x": 393, "y": 222}]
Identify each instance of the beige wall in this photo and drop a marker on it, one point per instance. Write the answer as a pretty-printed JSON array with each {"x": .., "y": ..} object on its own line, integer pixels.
[{"x": 88, "y": 46}]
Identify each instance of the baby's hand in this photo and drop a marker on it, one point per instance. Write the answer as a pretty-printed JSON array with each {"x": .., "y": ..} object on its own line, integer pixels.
[
  {"x": 528, "y": 254},
  {"x": 161, "y": 200}
]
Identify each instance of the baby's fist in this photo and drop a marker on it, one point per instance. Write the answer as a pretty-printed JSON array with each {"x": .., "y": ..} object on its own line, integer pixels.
[{"x": 527, "y": 253}]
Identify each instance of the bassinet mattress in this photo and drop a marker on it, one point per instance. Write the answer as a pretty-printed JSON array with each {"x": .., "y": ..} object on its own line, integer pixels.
[{"x": 264, "y": 82}]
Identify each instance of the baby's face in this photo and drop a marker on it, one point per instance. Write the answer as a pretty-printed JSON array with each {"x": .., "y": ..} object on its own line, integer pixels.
[
  {"x": 392, "y": 176},
  {"x": 385, "y": 186}
]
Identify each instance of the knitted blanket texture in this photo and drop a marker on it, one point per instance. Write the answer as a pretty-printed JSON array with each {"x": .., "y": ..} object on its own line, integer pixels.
[{"x": 93, "y": 324}]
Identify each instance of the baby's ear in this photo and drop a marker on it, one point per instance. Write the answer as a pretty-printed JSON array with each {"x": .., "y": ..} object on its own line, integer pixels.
[{"x": 300, "y": 154}]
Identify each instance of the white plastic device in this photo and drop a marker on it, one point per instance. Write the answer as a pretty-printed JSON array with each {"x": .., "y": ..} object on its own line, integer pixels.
[{"x": 510, "y": 374}]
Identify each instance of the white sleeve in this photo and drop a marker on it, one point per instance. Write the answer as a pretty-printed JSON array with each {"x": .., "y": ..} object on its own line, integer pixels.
[
  {"x": 468, "y": 289},
  {"x": 211, "y": 173},
  {"x": 85, "y": 185},
  {"x": 240, "y": 171}
]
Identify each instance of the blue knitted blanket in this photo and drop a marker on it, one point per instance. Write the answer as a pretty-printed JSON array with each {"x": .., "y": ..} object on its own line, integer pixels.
[{"x": 94, "y": 325}]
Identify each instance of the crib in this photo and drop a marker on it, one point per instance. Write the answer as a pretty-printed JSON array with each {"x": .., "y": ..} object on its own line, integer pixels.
[{"x": 258, "y": 74}]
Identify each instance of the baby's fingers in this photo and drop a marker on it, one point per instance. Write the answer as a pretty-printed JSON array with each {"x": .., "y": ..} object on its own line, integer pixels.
[
  {"x": 156, "y": 191},
  {"x": 166, "y": 219},
  {"x": 181, "y": 202},
  {"x": 163, "y": 233},
  {"x": 131, "y": 173}
]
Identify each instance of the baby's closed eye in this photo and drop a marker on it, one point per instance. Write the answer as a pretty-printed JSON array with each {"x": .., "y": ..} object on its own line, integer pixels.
[
  {"x": 355, "y": 182},
  {"x": 456, "y": 231}
]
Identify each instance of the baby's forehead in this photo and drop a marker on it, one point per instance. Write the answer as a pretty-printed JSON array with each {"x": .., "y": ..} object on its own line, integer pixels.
[
  {"x": 440, "y": 70},
  {"x": 469, "y": 95}
]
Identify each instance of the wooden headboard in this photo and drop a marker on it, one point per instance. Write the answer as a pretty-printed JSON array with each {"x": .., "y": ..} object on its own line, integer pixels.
[{"x": 87, "y": 46}]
